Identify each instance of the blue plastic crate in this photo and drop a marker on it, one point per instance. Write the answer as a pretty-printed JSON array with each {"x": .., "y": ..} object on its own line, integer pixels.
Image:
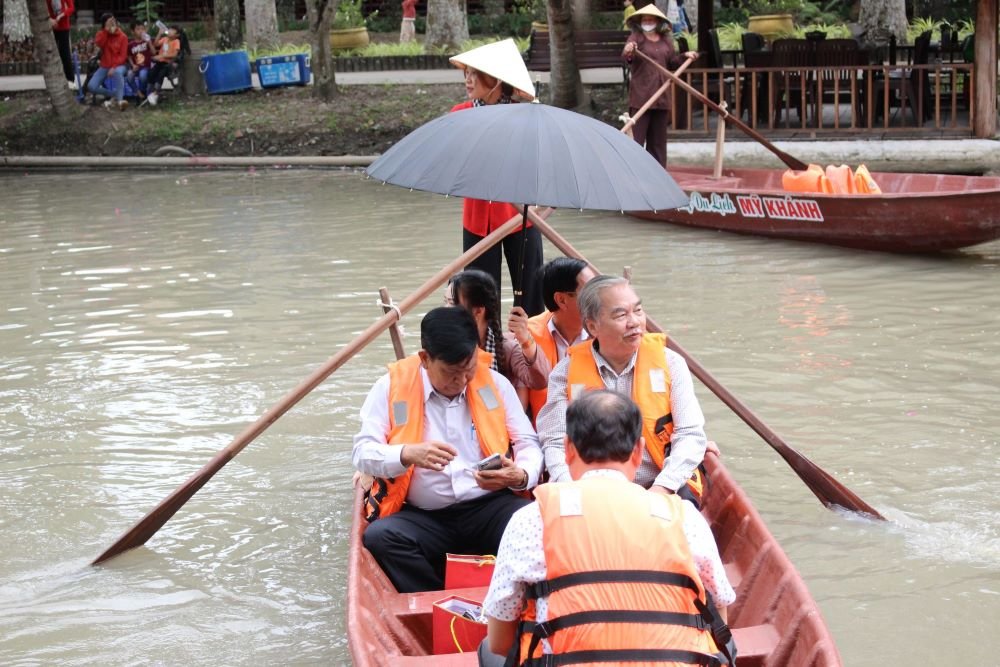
[
  {"x": 226, "y": 72},
  {"x": 290, "y": 70}
]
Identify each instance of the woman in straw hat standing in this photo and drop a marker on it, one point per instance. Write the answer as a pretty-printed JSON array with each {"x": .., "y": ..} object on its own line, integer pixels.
[
  {"x": 495, "y": 74},
  {"x": 651, "y": 35}
]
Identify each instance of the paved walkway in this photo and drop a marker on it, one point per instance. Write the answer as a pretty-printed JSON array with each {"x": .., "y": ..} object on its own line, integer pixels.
[{"x": 416, "y": 76}]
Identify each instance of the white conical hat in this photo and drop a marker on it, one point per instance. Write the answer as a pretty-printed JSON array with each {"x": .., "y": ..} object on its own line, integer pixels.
[
  {"x": 648, "y": 10},
  {"x": 500, "y": 60}
]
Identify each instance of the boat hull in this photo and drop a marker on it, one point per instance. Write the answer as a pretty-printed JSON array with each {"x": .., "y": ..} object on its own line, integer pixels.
[
  {"x": 775, "y": 620},
  {"x": 916, "y": 212}
]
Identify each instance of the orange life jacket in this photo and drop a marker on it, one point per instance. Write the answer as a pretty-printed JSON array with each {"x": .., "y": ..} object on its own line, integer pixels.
[
  {"x": 538, "y": 326},
  {"x": 841, "y": 180},
  {"x": 406, "y": 425},
  {"x": 621, "y": 583},
  {"x": 650, "y": 391}
]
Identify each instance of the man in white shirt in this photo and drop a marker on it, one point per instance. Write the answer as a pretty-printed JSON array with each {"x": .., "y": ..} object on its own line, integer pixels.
[
  {"x": 425, "y": 426},
  {"x": 600, "y": 565},
  {"x": 620, "y": 356},
  {"x": 560, "y": 326}
]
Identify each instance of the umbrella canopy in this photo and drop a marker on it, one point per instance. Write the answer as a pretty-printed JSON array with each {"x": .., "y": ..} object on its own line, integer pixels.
[{"x": 529, "y": 154}]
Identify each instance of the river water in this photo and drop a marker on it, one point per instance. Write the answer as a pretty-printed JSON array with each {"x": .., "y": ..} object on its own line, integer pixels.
[{"x": 145, "y": 319}]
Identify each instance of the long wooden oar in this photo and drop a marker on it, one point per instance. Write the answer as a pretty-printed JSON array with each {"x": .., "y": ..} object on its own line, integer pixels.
[
  {"x": 655, "y": 96},
  {"x": 152, "y": 522},
  {"x": 792, "y": 162},
  {"x": 829, "y": 491}
]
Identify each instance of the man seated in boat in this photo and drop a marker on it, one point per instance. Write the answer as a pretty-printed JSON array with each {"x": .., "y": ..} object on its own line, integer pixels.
[
  {"x": 559, "y": 327},
  {"x": 592, "y": 548},
  {"x": 620, "y": 356},
  {"x": 425, "y": 427}
]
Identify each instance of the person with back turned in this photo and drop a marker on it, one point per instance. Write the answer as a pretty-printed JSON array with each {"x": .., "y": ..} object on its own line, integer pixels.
[
  {"x": 425, "y": 427},
  {"x": 599, "y": 570},
  {"x": 621, "y": 356}
]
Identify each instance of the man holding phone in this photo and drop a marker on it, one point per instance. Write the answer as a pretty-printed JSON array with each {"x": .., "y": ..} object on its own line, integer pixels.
[{"x": 426, "y": 427}]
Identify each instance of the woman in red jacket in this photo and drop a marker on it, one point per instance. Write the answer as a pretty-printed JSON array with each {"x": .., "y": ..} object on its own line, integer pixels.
[
  {"x": 114, "y": 60},
  {"x": 495, "y": 74},
  {"x": 59, "y": 13}
]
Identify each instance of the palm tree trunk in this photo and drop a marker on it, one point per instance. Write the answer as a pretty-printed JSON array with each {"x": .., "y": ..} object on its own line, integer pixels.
[
  {"x": 47, "y": 56},
  {"x": 881, "y": 18},
  {"x": 16, "y": 25},
  {"x": 447, "y": 25},
  {"x": 262, "y": 25},
  {"x": 566, "y": 85},
  {"x": 320, "y": 14},
  {"x": 228, "y": 27}
]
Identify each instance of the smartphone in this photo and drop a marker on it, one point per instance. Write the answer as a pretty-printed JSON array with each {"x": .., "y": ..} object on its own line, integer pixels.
[{"x": 491, "y": 462}]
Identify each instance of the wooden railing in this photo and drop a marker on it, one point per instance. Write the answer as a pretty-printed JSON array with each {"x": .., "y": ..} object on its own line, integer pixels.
[{"x": 913, "y": 99}]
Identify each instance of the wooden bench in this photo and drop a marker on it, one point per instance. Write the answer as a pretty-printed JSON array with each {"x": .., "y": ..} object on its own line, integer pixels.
[{"x": 593, "y": 49}]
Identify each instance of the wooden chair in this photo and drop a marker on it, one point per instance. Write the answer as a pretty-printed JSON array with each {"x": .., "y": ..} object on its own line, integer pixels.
[
  {"x": 752, "y": 42},
  {"x": 910, "y": 88},
  {"x": 838, "y": 61},
  {"x": 792, "y": 86},
  {"x": 754, "y": 45}
]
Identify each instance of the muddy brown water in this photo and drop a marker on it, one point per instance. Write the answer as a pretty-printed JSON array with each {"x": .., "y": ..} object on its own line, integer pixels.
[{"x": 145, "y": 319}]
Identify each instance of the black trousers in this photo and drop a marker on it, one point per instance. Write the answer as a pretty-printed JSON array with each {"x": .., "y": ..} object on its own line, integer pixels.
[
  {"x": 651, "y": 130},
  {"x": 489, "y": 262},
  {"x": 62, "y": 43},
  {"x": 410, "y": 545}
]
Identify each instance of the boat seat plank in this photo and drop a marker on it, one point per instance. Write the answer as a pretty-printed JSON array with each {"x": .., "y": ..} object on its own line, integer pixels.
[
  {"x": 446, "y": 660},
  {"x": 734, "y": 573},
  {"x": 422, "y": 603},
  {"x": 755, "y": 643}
]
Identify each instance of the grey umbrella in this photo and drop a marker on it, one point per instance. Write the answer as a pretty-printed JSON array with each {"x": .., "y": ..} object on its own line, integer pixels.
[{"x": 529, "y": 154}]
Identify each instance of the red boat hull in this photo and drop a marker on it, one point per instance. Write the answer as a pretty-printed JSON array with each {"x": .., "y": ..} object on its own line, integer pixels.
[
  {"x": 775, "y": 620},
  {"x": 915, "y": 213}
]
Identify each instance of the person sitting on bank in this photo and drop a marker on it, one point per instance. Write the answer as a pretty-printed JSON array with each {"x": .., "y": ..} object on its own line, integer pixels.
[
  {"x": 425, "y": 426},
  {"x": 113, "y": 62},
  {"x": 590, "y": 549},
  {"x": 622, "y": 357},
  {"x": 560, "y": 326},
  {"x": 515, "y": 354}
]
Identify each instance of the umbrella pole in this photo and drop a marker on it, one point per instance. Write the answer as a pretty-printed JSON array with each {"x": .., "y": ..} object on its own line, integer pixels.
[{"x": 519, "y": 287}]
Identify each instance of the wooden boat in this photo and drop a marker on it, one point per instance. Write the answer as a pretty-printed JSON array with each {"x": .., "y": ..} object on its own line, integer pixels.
[
  {"x": 915, "y": 213},
  {"x": 775, "y": 620}
]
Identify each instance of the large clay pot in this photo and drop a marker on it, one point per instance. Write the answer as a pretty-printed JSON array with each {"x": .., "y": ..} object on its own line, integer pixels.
[
  {"x": 771, "y": 25},
  {"x": 349, "y": 38}
]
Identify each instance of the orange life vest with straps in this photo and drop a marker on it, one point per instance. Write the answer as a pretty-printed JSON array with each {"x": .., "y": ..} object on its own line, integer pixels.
[
  {"x": 650, "y": 391},
  {"x": 538, "y": 327},
  {"x": 621, "y": 587},
  {"x": 406, "y": 425}
]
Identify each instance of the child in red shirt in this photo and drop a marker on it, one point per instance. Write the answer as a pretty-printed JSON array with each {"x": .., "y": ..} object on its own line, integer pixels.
[{"x": 140, "y": 57}]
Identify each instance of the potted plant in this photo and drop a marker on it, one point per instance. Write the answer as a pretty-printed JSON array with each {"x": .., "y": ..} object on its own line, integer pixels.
[
  {"x": 770, "y": 19},
  {"x": 349, "y": 30}
]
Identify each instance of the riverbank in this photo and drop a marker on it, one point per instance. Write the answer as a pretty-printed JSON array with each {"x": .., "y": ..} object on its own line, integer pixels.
[{"x": 372, "y": 112}]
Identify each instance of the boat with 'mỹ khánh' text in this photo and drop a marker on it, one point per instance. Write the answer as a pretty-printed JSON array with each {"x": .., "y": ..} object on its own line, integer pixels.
[
  {"x": 914, "y": 213},
  {"x": 775, "y": 621}
]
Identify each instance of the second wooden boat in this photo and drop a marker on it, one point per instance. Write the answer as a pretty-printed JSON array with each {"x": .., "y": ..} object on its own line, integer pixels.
[
  {"x": 775, "y": 620},
  {"x": 914, "y": 213}
]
